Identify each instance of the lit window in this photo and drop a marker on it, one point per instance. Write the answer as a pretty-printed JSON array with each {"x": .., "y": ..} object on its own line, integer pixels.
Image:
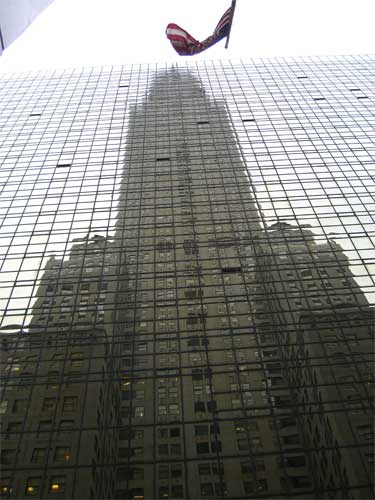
[
  {"x": 162, "y": 410},
  {"x": 163, "y": 492},
  {"x": 5, "y": 488},
  {"x": 62, "y": 453},
  {"x": 139, "y": 411},
  {"x": 33, "y": 486},
  {"x": 173, "y": 409},
  {"x": 57, "y": 484},
  {"x": 3, "y": 407}
]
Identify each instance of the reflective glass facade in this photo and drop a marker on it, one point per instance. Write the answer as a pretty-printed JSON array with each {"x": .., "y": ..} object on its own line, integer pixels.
[{"x": 187, "y": 286}]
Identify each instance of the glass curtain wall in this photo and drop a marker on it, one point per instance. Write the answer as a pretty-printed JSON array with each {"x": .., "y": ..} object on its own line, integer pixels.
[{"x": 187, "y": 280}]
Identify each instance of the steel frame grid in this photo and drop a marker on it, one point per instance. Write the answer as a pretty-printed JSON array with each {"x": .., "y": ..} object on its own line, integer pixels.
[{"x": 263, "y": 194}]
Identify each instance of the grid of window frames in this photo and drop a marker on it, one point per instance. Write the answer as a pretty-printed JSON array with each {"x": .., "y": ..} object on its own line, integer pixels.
[{"x": 186, "y": 281}]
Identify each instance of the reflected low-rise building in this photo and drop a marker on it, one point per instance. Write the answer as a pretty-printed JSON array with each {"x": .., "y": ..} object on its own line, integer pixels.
[
  {"x": 322, "y": 331},
  {"x": 58, "y": 381}
]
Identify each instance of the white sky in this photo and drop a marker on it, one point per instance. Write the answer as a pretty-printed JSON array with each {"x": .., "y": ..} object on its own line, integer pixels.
[{"x": 105, "y": 32}]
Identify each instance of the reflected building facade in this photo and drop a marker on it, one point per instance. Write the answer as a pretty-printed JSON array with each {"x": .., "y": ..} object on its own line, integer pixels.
[
  {"x": 59, "y": 383},
  {"x": 200, "y": 351}
]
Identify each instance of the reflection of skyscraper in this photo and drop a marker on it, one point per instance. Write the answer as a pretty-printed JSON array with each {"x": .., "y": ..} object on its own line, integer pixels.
[
  {"x": 186, "y": 203},
  {"x": 212, "y": 329}
]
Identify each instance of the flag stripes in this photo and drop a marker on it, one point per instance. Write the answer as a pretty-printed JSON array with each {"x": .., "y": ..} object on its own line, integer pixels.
[{"x": 186, "y": 45}]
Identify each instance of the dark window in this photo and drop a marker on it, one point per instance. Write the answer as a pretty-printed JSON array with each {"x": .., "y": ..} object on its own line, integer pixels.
[
  {"x": 197, "y": 374},
  {"x": 243, "y": 444},
  {"x": 124, "y": 453},
  {"x": 194, "y": 341},
  {"x": 201, "y": 430},
  {"x": 126, "y": 395},
  {"x": 248, "y": 487},
  {"x": 220, "y": 490},
  {"x": 199, "y": 406},
  {"x": 163, "y": 471},
  {"x": 177, "y": 491},
  {"x": 13, "y": 429},
  {"x": 124, "y": 473},
  {"x": 163, "y": 449},
  {"x": 175, "y": 432},
  {"x": 301, "y": 482},
  {"x": 207, "y": 490},
  {"x": 216, "y": 446},
  {"x": 19, "y": 405},
  {"x": 217, "y": 468},
  {"x": 39, "y": 455},
  {"x": 203, "y": 448},
  {"x": 298, "y": 461},
  {"x": 176, "y": 470},
  {"x": 260, "y": 465},
  {"x": 211, "y": 406},
  {"x": 204, "y": 469},
  {"x": 70, "y": 403},
  {"x": 286, "y": 422},
  {"x": 66, "y": 426},
  {"x": 175, "y": 449},
  {"x": 231, "y": 269},
  {"x": 138, "y": 473},
  {"x": 49, "y": 404},
  {"x": 215, "y": 428},
  {"x": 246, "y": 468},
  {"x": 126, "y": 434},
  {"x": 44, "y": 429},
  {"x": 163, "y": 433},
  {"x": 293, "y": 439},
  {"x": 7, "y": 456}
]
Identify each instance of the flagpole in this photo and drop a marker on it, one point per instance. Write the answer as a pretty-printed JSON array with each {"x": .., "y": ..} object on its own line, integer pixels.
[{"x": 233, "y": 6}]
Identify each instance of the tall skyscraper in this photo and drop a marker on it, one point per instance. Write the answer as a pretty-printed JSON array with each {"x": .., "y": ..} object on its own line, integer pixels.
[
  {"x": 192, "y": 331},
  {"x": 15, "y": 17}
]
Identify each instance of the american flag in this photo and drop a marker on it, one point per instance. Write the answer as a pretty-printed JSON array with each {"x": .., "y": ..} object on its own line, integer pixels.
[
  {"x": 181, "y": 41},
  {"x": 222, "y": 28},
  {"x": 186, "y": 45}
]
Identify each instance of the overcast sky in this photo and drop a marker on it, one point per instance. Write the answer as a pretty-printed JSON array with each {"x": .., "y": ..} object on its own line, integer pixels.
[{"x": 102, "y": 32}]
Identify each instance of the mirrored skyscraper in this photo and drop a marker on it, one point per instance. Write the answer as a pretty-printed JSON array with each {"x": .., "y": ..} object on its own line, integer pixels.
[{"x": 187, "y": 282}]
